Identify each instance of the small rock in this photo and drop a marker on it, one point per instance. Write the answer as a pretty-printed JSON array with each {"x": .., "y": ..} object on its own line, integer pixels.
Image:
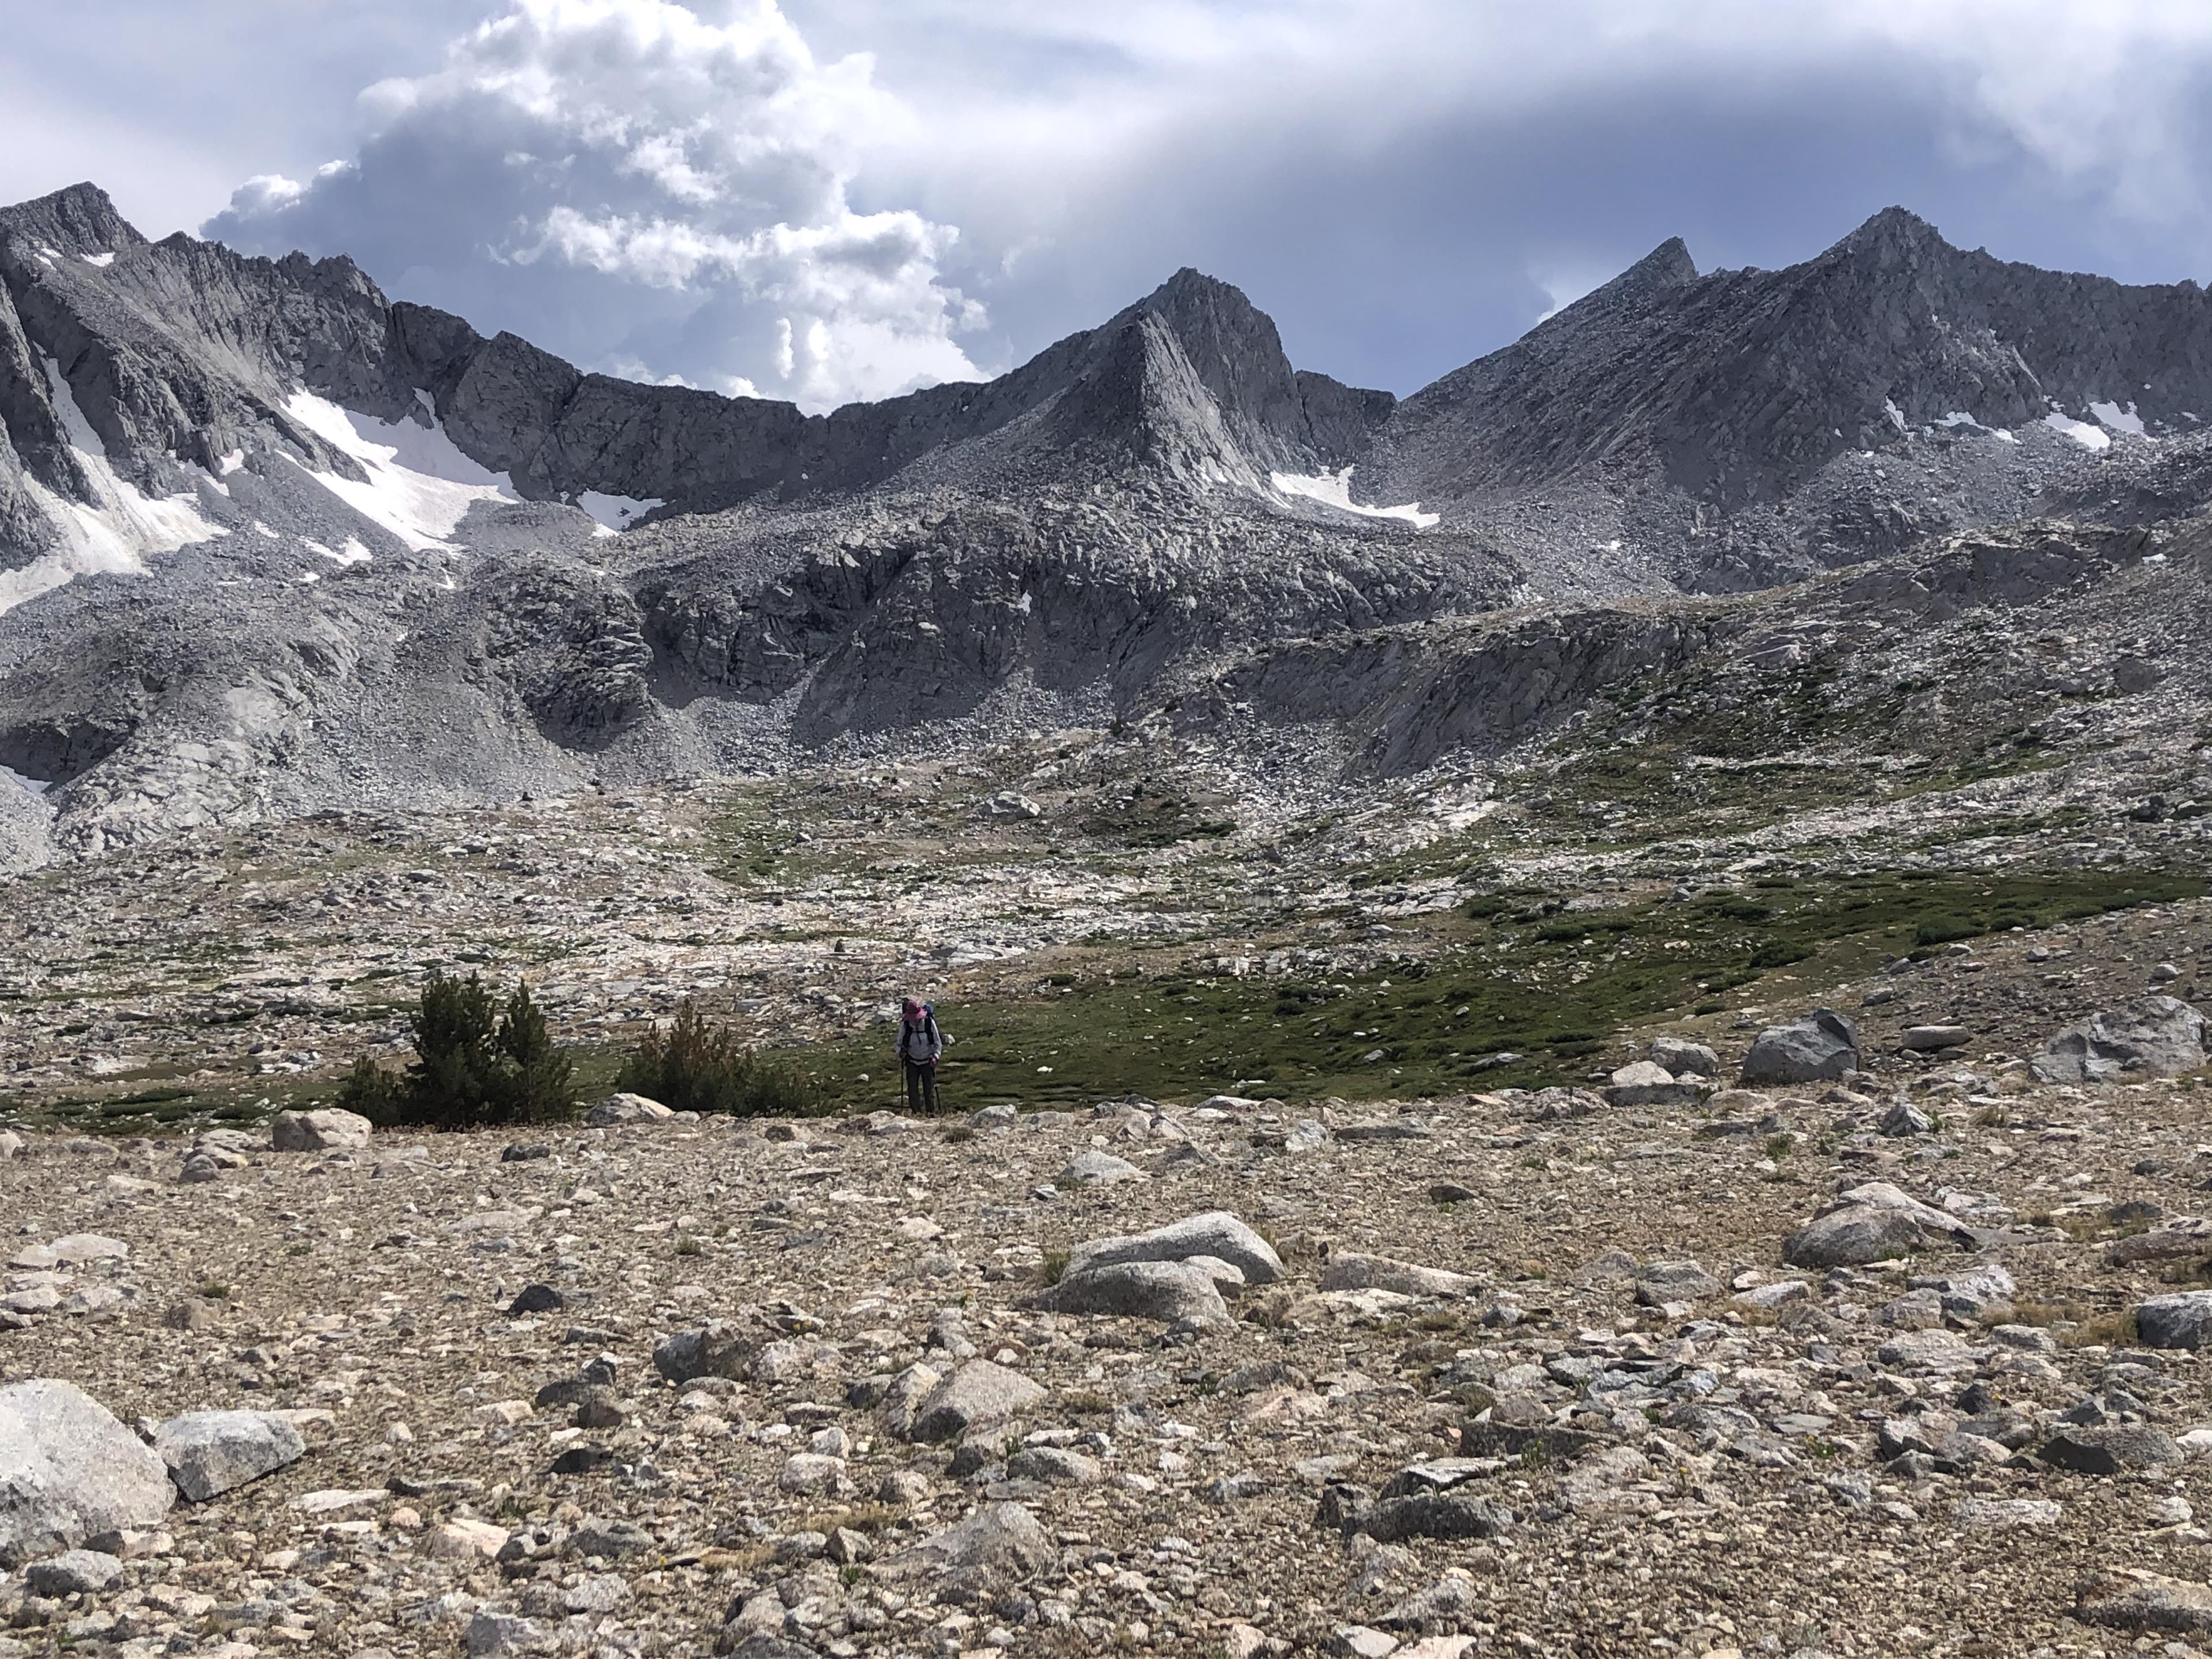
[
  {"x": 1054, "y": 1466},
  {"x": 1682, "y": 1057},
  {"x": 1362, "y": 1642},
  {"x": 1904, "y": 1119},
  {"x": 2112, "y": 1450},
  {"x": 1660, "y": 1282},
  {"x": 466, "y": 1540},
  {"x": 1641, "y": 1083},
  {"x": 2130, "y": 1599},
  {"x": 1216, "y": 1233}
]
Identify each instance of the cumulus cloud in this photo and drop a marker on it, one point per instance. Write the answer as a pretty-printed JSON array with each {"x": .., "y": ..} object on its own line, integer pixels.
[
  {"x": 631, "y": 183},
  {"x": 750, "y": 197}
]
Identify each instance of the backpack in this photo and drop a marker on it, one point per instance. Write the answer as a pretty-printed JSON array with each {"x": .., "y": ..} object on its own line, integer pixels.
[{"x": 927, "y": 1031}]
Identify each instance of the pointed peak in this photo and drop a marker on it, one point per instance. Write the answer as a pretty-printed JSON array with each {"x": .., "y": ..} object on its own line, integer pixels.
[
  {"x": 81, "y": 219},
  {"x": 1668, "y": 266},
  {"x": 1894, "y": 231},
  {"x": 1192, "y": 289}
]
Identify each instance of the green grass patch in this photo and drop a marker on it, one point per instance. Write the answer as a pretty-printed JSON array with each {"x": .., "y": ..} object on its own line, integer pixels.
[{"x": 1554, "y": 989}]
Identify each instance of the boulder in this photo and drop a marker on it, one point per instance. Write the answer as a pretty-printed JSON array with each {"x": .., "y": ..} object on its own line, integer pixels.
[
  {"x": 1349, "y": 1272},
  {"x": 1096, "y": 1168},
  {"x": 73, "y": 1572},
  {"x": 1661, "y": 1282},
  {"x": 326, "y": 1130},
  {"x": 2130, "y": 1598},
  {"x": 1053, "y": 1466},
  {"x": 2180, "y": 1319},
  {"x": 2112, "y": 1450},
  {"x": 1904, "y": 1120},
  {"x": 990, "y": 1552},
  {"x": 1818, "y": 1049},
  {"x": 618, "y": 1110},
  {"x": 2151, "y": 1036},
  {"x": 209, "y": 1453},
  {"x": 73, "y": 1250},
  {"x": 980, "y": 1394},
  {"x": 1875, "y": 1222},
  {"x": 2177, "y": 1240},
  {"x": 1447, "y": 1515},
  {"x": 1178, "y": 1293},
  {"x": 1684, "y": 1058},
  {"x": 1216, "y": 1233},
  {"x": 68, "y": 1471},
  {"x": 721, "y": 1347},
  {"x": 1934, "y": 1039},
  {"x": 1641, "y": 1083}
]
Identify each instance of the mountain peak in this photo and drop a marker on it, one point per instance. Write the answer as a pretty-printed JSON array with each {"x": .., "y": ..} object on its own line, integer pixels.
[
  {"x": 81, "y": 219},
  {"x": 1895, "y": 234}
]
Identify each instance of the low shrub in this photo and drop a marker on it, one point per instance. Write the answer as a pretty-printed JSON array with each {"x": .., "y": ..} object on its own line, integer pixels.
[
  {"x": 696, "y": 1066},
  {"x": 473, "y": 1066}
]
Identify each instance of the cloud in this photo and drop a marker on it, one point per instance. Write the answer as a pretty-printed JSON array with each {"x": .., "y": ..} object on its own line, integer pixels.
[
  {"x": 626, "y": 181},
  {"x": 749, "y": 197}
]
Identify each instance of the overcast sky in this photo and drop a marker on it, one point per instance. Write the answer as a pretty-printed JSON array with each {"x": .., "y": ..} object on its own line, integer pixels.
[{"x": 845, "y": 198}]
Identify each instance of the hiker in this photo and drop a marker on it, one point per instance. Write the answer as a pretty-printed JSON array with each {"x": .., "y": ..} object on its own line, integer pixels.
[{"x": 920, "y": 1043}]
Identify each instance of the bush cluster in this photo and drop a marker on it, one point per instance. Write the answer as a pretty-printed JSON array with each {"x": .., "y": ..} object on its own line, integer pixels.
[
  {"x": 475, "y": 1064},
  {"x": 696, "y": 1066}
]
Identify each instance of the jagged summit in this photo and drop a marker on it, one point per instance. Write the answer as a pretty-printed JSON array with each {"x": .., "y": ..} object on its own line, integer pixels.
[
  {"x": 81, "y": 220},
  {"x": 269, "y": 539}
]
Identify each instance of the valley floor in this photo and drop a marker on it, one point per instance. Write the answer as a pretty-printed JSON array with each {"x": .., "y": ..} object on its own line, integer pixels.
[{"x": 1692, "y": 1461}]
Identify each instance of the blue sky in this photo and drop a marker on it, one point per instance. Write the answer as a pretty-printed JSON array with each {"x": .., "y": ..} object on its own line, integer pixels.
[{"x": 842, "y": 198}]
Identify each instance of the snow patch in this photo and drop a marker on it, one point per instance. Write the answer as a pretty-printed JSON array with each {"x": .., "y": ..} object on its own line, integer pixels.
[
  {"x": 352, "y": 552},
  {"x": 1334, "y": 489},
  {"x": 2120, "y": 420},
  {"x": 98, "y": 261},
  {"x": 117, "y": 531},
  {"x": 36, "y": 786},
  {"x": 2088, "y": 436},
  {"x": 420, "y": 485},
  {"x": 616, "y": 512},
  {"x": 1896, "y": 415},
  {"x": 1956, "y": 418},
  {"x": 261, "y": 529}
]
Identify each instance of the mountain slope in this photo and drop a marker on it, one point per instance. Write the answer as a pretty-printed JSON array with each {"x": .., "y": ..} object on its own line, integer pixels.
[
  {"x": 1739, "y": 406},
  {"x": 271, "y": 542}
]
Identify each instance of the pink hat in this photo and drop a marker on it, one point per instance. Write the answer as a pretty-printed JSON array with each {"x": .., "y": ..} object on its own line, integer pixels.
[{"x": 912, "y": 1008}]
